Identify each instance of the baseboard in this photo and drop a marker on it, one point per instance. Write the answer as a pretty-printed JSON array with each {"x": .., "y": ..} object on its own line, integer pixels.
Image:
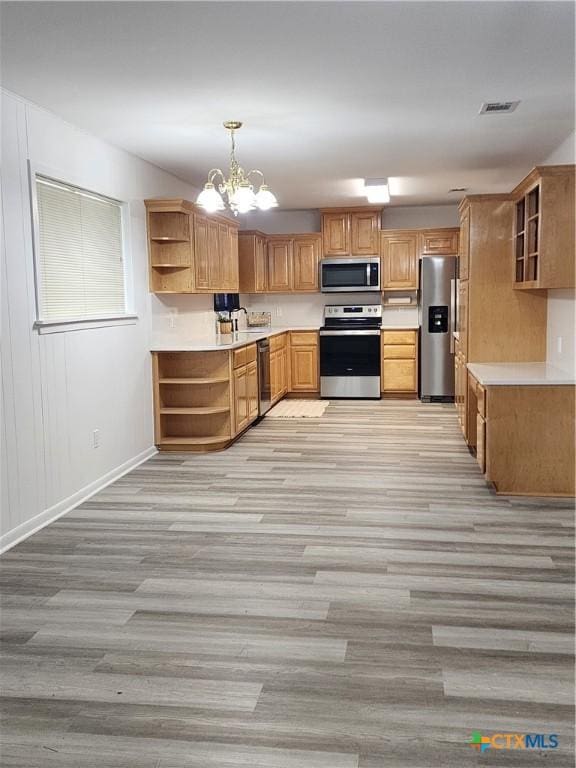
[{"x": 23, "y": 531}]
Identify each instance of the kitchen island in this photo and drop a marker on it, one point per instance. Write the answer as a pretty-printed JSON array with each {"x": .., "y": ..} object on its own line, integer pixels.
[{"x": 521, "y": 423}]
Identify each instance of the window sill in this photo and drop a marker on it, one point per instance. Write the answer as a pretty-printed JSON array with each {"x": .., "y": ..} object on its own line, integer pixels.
[{"x": 65, "y": 326}]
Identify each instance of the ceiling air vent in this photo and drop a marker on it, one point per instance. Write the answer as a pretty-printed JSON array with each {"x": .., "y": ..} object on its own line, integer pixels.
[{"x": 498, "y": 107}]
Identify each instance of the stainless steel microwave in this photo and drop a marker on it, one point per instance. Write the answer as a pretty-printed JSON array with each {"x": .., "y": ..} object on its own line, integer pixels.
[{"x": 349, "y": 275}]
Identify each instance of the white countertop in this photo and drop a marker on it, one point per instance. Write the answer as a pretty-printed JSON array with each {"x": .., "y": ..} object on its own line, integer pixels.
[
  {"x": 212, "y": 341},
  {"x": 520, "y": 374}
]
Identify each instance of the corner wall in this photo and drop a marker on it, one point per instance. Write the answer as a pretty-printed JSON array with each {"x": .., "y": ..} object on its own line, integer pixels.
[
  {"x": 561, "y": 326},
  {"x": 57, "y": 388}
]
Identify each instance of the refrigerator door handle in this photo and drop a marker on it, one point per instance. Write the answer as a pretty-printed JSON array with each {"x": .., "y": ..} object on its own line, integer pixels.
[{"x": 452, "y": 313}]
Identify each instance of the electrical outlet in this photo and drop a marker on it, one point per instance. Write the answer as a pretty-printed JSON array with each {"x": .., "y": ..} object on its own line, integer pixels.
[
  {"x": 559, "y": 341},
  {"x": 96, "y": 438},
  {"x": 172, "y": 315},
  {"x": 278, "y": 311}
]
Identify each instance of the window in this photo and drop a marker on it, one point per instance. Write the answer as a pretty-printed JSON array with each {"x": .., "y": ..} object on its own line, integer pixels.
[{"x": 80, "y": 270}]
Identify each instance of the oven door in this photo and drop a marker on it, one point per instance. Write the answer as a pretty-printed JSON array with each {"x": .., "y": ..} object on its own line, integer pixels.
[
  {"x": 350, "y": 364},
  {"x": 341, "y": 275}
]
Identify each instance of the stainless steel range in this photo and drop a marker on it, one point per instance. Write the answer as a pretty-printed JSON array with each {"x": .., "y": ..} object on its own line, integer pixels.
[{"x": 350, "y": 351}]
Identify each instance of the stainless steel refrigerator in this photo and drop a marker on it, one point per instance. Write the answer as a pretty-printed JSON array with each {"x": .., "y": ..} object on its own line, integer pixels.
[{"x": 437, "y": 324}]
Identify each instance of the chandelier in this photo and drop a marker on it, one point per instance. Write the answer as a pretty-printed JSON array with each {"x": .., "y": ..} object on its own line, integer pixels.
[{"x": 237, "y": 187}]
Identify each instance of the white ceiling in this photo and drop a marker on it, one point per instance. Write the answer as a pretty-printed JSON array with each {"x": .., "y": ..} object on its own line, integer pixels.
[{"x": 329, "y": 93}]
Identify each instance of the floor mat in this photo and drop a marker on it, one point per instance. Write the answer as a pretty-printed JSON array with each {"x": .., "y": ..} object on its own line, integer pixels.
[{"x": 298, "y": 409}]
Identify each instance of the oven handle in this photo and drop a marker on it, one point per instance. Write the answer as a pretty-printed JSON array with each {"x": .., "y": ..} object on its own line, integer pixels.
[{"x": 350, "y": 333}]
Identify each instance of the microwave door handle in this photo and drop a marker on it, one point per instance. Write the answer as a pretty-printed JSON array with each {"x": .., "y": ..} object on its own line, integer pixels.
[
  {"x": 452, "y": 314},
  {"x": 368, "y": 275}
]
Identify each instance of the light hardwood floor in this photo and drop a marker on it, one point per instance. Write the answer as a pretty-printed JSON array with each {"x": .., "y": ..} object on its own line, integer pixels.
[{"x": 342, "y": 592}]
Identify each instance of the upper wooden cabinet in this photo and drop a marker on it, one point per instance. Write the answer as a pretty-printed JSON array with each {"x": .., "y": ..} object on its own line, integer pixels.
[
  {"x": 350, "y": 232},
  {"x": 544, "y": 223},
  {"x": 253, "y": 262},
  {"x": 464, "y": 244},
  {"x": 399, "y": 259},
  {"x": 336, "y": 234},
  {"x": 439, "y": 242},
  {"x": 305, "y": 255},
  {"x": 364, "y": 233},
  {"x": 278, "y": 263},
  {"x": 189, "y": 251}
]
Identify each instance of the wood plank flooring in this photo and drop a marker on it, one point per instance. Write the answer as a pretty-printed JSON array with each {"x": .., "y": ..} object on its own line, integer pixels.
[{"x": 341, "y": 592}]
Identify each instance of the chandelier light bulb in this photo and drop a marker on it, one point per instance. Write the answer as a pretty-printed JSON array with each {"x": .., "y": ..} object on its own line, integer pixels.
[
  {"x": 210, "y": 199},
  {"x": 265, "y": 199},
  {"x": 243, "y": 198}
]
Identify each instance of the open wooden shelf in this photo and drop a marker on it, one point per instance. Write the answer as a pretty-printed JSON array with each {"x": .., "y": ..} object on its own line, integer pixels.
[
  {"x": 200, "y": 410},
  {"x": 215, "y": 380},
  {"x": 195, "y": 440},
  {"x": 170, "y": 239},
  {"x": 170, "y": 266}
]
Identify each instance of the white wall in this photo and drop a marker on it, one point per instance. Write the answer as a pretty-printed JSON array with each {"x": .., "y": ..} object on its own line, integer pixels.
[
  {"x": 420, "y": 216},
  {"x": 57, "y": 388},
  {"x": 561, "y": 343},
  {"x": 282, "y": 222},
  {"x": 561, "y": 330}
]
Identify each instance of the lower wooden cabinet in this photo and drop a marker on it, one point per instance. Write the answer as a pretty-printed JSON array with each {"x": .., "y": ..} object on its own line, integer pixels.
[
  {"x": 252, "y": 391},
  {"x": 304, "y": 373},
  {"x": 481, "y": 442},
  {"x": 240, "y": 399},
  {"x": 245, "y": 366},
  {"x": 278, "y": 366},
  {"x": 399, "y": 370}
]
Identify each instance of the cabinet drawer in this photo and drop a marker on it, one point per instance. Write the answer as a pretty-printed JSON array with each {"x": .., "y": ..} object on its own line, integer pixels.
[
  {"x": 251, "y": 353},
  {"x": 399, "y": 375},
  {"x": 303, "y": 338},
  {"x": 239, "y": 357},
  {"x": 277, "y": 342},
  {"x": 481, "y": 398},
  {"x": 407, "y": 351},
  {"x": 399, "y": 337}
]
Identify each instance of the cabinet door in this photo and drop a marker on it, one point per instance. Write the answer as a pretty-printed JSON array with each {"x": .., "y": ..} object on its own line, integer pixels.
[
  {"x": 336, "y": 234},
  {"x": 252, "y": 391},
  {"x": 240, "y": 399},
  {"x": 439, "y": 242},
  {"x": 279, "y": 265},
  {"x": 304, "y": 369},
  {"x": 274, "y": 375},
  {"x": 399, "y": 261},
  {"x": 306, "y": 253},
  {"x": 284, "y": 371},
  {"x": 399, "y": 375},
  {"x": 464, "y": 245},
  {"x": 201, "y": 252},
  {"x": 462, "y": 317},
  {"x": 481, "y": 443},
  {"x": 225, "y": 255},
  {"x": 233, "y": 266},
  {"x": 213, "y": 256},
  {"x": 364, "y": 233},
  {"x": 260, "y": 265}
]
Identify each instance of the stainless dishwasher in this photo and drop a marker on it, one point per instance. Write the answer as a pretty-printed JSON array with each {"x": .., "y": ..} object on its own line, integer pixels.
[{"x": 263, "y": 376}]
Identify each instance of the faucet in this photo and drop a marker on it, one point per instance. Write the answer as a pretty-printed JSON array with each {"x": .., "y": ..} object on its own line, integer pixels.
[{"x": 240, "y": 309}]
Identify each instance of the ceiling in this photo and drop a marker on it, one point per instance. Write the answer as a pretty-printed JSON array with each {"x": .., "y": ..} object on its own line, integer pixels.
[{"x": 330, "y": 93}]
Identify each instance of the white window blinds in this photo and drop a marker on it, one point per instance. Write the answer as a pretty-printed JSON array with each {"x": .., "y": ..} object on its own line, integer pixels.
[{"x": 80, "y": 268}]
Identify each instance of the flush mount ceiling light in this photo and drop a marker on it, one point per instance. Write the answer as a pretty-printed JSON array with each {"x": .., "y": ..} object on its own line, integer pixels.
[
  {"x": 237, "y": 188},
  {"x": 376, "y": 190}
]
